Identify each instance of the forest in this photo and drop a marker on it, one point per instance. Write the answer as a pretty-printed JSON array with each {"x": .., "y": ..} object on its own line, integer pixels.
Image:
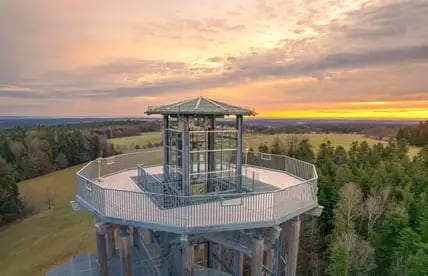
[
  {"x": 30, "y": 152},
  {"x": 375, "y": 219},
  {"x": 416, "y": 136}
]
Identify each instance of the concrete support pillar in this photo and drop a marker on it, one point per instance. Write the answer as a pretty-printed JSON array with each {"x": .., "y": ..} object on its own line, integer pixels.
[
  {"x": 165, "y": 143},
  {"x": 125, "y": 251},
  {"x": 187, "y": 255},
  {"x": 239, "y": 128},
  {"x": 238, "y": 262},
  {"x": 100, "y": 237},
  {"x": 291, "y": 231},
  {"x": 257, "y": 258},
  {"x": 111, "y": 244}
]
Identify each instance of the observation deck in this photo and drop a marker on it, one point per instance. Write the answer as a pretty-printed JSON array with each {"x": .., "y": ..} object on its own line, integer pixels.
[{"x": 130, "y": 189}]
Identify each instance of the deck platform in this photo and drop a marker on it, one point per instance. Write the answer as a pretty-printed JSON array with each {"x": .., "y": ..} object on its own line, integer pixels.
[
  {"x": 264, "y": 179},
  {"x": 273, "y": 190}
]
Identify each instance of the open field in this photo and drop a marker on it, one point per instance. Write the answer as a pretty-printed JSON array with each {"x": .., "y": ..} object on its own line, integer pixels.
[
  {"x": 127, "y": 144},
  {"x": 33, "y": 245},
  {"x": 254, "y": 140},
  {"x": 337, "y": 139}
]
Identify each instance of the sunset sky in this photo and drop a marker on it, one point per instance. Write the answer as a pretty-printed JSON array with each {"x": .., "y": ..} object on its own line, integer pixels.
[{"x": 285, "y": 58}]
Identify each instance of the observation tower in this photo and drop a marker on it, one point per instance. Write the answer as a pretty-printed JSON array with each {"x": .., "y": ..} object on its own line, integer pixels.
[{"x": 202, "y": 205}]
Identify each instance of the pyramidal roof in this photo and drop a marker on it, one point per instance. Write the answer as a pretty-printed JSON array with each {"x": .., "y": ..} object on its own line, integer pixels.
[{"x": 199, "y": 106}]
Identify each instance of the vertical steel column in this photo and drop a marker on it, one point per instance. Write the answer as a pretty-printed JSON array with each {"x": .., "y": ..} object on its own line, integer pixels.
[
  {"x": 111, "y": 244},
  {"x": 165, "y": 144},
  {"x": 239, "y": 129},
  {"x": 125, "y": 251},
  {"x": 291, "y": 230},
  {"x": 135, "y": 237},
  {"x": 277, "y": 258},
  {"x": 257, "y": 258},
  {"x": 186, "y": 254},
  {"x": 220, "y": 257},
  {"x": 186, "y": 157},
  {"x": 100, "y": 237},
  {"x": 238, "y": 261},
  {"x": 211, "y": 154},
  {"x": 211, "y": 254}
]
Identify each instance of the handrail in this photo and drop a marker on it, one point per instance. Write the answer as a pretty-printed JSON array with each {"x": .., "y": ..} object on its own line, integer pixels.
[{"x": 186, "y": 210}]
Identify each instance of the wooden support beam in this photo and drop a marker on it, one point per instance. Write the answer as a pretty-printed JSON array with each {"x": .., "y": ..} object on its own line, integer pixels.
[
  {"x": 125, "y": 251},
  {"x": 111, "y": 244},
  {"x": 257, "y": 258},
  {"x": 147, "y": 236},
  {"x": 291, "y": 231},
  {"x": 100, "y": 237},
  {"x": 270, "y": 258}
]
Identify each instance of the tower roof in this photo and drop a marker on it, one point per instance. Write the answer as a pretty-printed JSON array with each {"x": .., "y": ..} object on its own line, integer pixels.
[{"x": 199, "y": 106}]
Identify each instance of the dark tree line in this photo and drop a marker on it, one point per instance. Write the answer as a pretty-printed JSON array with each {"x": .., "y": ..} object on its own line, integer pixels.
[
  {"x": 375, "y": 219},
  {"x": 417, "y": 136}
]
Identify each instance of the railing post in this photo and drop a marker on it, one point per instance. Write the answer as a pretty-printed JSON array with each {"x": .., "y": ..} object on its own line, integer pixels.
[
  {"x": 239, "y": 152},
  {"x": 165, "y": 148}
]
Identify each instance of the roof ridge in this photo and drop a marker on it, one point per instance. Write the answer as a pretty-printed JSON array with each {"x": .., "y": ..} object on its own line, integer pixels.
[
  {"x": 197, "y": 104},
  {"x": 213, "y": 102},
  {"x": 179, "y": 103}
]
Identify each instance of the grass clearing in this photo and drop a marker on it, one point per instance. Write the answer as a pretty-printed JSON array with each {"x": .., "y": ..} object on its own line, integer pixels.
[
  {"x": 337, "y": 139},
  {"x": 129, "y": 143},
  {"x": 35, "y": 244},
  {"x": 254, "y": 140},
  {"x": 316, "y": 140}
]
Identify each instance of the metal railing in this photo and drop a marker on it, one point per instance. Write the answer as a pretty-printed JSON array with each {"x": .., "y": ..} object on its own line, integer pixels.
[{"x": 207, "y": 210}]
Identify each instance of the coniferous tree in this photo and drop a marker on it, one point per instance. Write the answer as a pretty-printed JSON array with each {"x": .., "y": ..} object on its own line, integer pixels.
[{"x": 10, "y": 203}]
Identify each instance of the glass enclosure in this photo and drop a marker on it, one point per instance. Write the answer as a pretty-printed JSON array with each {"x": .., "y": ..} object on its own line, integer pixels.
[{"x": 211, "y": 151}]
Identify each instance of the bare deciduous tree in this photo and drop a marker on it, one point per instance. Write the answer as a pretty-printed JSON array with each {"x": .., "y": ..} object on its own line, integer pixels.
[
  {"x": 50, "y": 195},
  {"x": 349, "y": 207},
  {"x": 375, "y": 206}
]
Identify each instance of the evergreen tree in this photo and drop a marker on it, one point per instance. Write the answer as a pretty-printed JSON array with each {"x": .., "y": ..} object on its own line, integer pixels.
[
  {"x": 304, "y": 151},
  {"x": 277, "y": 146},
  {"x": 10, "y": 203}
]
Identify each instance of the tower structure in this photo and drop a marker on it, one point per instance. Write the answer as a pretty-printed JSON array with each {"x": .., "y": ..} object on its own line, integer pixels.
[{"x": 200, "y": 206}]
